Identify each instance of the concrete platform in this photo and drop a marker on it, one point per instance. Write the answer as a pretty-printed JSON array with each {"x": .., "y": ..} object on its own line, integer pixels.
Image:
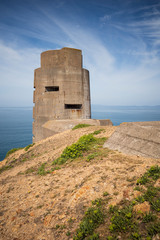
[
  {"x": 136, "y": 138},
  {"x": 56, "y": 126}
]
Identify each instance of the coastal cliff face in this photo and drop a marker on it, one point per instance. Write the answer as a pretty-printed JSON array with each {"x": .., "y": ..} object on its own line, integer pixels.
[{"x": 41, "y": 199}]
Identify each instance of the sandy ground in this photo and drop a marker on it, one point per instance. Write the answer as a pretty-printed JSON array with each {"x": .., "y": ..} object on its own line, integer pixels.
[{"x": 47, "y": 207}]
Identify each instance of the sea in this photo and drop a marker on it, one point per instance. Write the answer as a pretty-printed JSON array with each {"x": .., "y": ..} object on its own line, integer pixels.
[{"x": 16, "y": 122}]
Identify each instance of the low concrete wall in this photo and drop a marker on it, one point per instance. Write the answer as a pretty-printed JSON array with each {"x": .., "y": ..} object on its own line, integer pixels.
[
  {"x": 137, "y": 138},
  {"x": 56, "y": 126}
]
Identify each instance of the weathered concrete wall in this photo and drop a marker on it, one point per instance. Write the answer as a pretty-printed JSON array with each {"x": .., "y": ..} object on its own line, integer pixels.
[
  {"x": 62, "y": 89},
  {"x": 57, "y": 126},
  {"x": 137, "y": 138}
]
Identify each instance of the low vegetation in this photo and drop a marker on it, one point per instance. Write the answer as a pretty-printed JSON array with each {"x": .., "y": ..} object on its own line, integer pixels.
[
  {"x": 41, "y": 170},
  {"x": 10, "y": 163},
  {"x": 16, "y": 149},
  {"x": 12, "y": 151},
  {"x": 92, "y": 219},
  {"x": 86, "y": 148},
  {"x": 81, "y": 125},
  {"x": 91, "y": 156},
  {"x": 98, "y": 131},
  {"x": 30, "y": 170},
  {"x": 76, "y": 150},
  {"x": 101, "y": 220},
  {"x": 29, "y": 146},
  {"x": 4, "y": 168},
  {"x": 122, "y": 221}
]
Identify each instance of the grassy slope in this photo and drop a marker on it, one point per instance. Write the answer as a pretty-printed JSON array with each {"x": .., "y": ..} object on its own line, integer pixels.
[{"x": 104, "y": 219}]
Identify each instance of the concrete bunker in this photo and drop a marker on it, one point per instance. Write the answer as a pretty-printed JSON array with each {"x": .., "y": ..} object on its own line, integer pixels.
[{"x": 62, "y": 90}]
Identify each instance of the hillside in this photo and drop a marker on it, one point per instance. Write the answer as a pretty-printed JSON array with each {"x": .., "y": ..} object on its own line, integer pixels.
[{"x": 42, "y": 200}]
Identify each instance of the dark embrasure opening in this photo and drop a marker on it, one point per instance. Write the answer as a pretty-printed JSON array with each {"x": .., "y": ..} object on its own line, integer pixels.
[
  {"x": 51, "y": 89},
  {"x": 73, "y": 106}
]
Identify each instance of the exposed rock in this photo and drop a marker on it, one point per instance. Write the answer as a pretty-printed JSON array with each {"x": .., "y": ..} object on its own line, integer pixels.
[
  {"x": 137, "y": 194},
  {"x": 156, "y": 237},
  {"x": 157, "y": 184},
  {"x": 142, "y": 208},
  {"x": 126, "y": 194}
]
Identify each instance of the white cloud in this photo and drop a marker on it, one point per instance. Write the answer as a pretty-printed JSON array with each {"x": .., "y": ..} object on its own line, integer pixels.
[
  {"x": 17, "y": 72},
  {"x": 113, "y": 82},
  {"x": 105, "y": 18},
  {"x": 128, "y": 85}
]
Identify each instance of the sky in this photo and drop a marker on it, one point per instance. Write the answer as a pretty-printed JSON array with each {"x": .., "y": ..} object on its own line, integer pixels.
[{"x": 119, "y": 39}]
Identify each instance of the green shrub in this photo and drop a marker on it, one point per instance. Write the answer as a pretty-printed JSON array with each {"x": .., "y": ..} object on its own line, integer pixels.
[
  {"x": 76, "y": 149},
  {"x": 140, "y": 199},
  {"x": 30, "y": 170},
  {"x": 4, "y": 168},
  {"x": 98, "y": 131},
  {"x": 110, "y": 238},
  {"x": 154, "y": 228},
  {"x": 139, "y": 188},
  {"x": 55, "y": 168},
  {"x": 150, "y": 193},
  {"x": 113, "y": 209},
  {"x": 41, "y": 170},
  {"x": 81, "y": 125},
  {"x": 12, "y": 151},
  {"x": 30, "y": 145},
  {"x": 135, "y": 236},
  {"x": 149, "y": 217},
  {"x": 105, "y": 194},
  {"x": 24, "y": 159},
  {"x": 143, "y": 180},
  {"x": 97, "y": 202},
  {"x": 122, "y": 220},
  {"x": 95, "y": 236},
  {"x": 155, "y": 204},
  {"x": 154, "y": 172},
  {"x": 86, "y": 140},
  {"x": 68, "y": 233},
  {"x": 91, "y": 156},
  {"x": 92, "y": 219}
]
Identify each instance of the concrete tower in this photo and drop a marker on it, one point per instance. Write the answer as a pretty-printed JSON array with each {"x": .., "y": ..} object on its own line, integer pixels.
[{"x": 62, "y": 89}]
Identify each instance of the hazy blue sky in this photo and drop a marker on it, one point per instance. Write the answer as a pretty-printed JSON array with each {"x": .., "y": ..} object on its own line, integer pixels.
[{"x": 120, "y": 40}]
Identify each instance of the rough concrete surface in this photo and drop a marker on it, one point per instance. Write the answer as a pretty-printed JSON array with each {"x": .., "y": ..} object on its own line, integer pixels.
[
  {"x": 57, "y": 126},
  {"x": 62, "y": 89},
  {"x": 137, "y": 138}
]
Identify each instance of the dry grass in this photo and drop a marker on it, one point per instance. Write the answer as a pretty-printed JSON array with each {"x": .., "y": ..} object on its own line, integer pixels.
[{"x": 63, "y": 194}]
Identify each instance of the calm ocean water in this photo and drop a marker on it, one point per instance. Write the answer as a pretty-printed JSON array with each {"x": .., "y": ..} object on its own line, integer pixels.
[
  {"x": 15, "y": 129},
  {"x": 16, "y": 123}
]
